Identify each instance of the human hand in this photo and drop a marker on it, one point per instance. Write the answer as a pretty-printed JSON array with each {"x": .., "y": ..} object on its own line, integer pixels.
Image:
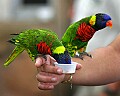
[{"x": 49, "y": 75}]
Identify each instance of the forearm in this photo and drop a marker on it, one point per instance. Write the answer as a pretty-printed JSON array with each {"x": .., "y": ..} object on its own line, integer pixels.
[{"x": 103, "y": 68}]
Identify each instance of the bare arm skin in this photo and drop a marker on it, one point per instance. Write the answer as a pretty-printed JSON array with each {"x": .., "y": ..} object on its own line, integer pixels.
[{"x": 103, "y": 68}]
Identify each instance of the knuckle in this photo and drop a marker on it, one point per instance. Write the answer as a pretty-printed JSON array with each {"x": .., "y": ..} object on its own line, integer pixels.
[{"x": 40, "y": 86}]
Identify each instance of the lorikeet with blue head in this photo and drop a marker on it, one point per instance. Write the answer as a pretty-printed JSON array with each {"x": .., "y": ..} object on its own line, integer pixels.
[
  {"x": 42, "y": 41},
  {"x": 79, "y": 33},
  {"x": 38, "y": 42}
]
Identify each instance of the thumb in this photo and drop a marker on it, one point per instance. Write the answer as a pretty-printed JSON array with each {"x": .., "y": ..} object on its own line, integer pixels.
[
  {"x": 39, "y": 62},
  {"x": 50, "y": 60}
]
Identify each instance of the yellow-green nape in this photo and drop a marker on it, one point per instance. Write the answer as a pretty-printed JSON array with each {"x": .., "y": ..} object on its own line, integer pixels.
[
  {"x": 59, "y": 50},
  {"x": 92, "y": 20}
]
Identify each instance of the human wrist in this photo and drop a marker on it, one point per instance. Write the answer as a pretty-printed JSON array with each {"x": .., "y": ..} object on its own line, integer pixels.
[{"x": 67, "y": 79}]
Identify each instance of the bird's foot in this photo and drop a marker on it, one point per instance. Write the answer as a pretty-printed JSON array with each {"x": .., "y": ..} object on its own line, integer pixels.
[
  {"x": 41, "y": 55},
  {"x": 80, "y": 55}
]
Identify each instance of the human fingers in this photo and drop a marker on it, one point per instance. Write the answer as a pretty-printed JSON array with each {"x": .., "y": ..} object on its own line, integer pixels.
[
  {"x": 49, "y": 79},
  {"x": 51, "y": 69},
  {"x": 55, "y": 69},
  {"x": 49, "y": 60},
  {"x": 45, "y": 86},
  {"x": 46, "y": 77},
  {"x": 39, "y": 61},
  {"x": 78, "y": 66}
]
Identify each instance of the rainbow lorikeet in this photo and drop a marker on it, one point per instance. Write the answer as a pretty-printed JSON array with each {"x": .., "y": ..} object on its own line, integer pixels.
[
  {"x": 79, "y": 33},
  {"x": 38, "y": 41}
]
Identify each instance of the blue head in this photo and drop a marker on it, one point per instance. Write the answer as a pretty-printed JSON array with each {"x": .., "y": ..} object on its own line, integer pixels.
[
  {"x": 62, "y": 58},
  {"x": 102, "y": 21}
]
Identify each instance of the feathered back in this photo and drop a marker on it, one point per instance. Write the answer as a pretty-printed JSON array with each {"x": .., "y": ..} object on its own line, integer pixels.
[{"x": 79, "y": 33}]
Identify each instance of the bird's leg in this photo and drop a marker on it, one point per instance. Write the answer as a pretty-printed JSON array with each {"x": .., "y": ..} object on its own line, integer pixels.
[
  {"x": 81, "y": 54},
  {"x": 41, "y": 55}
]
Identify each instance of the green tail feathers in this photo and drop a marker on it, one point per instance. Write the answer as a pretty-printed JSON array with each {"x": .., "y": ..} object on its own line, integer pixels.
[{"x": 13, "y": 55}]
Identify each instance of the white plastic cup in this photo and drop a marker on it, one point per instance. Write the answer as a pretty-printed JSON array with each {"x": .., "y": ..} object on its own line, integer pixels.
[{"x": 67, "y": 68}]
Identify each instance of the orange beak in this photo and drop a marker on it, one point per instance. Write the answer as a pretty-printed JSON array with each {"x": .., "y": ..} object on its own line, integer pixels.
[{"x": 109, "y": 23}]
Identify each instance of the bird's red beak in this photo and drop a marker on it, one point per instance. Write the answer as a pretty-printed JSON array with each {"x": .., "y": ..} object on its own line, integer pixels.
[{"x": 109, "y": 23}]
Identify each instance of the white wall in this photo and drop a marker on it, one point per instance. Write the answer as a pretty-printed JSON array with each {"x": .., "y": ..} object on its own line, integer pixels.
[{"x": 15, "y": 10}]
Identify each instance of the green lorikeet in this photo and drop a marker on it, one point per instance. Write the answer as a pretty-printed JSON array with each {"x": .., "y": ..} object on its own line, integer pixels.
[
  {"x": 39, "y": 41},
  {"x": 79, "y": 33}
]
